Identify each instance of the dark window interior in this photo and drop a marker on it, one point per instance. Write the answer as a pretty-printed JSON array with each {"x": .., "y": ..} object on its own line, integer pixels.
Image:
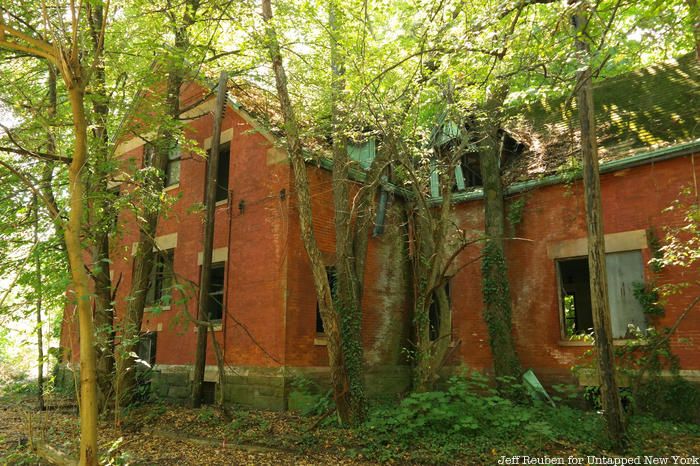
[
  {"x": 147, "y": 348},
  {"x": 434, "y": 314},
  {"x": 216, "y": 291},
  {"x": 161, "y": 279},
  {"x": 576, "y": 296},
  {"x": 471, "y": 170},
  {"x": 332, "y": 282},
  {"x": 222, "y": 172}
]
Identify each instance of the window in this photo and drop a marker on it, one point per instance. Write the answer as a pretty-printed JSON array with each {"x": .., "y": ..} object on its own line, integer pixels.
[
  {"x": 333, "y": 284},
  {"x": 470, "y": 170},
  {"x": 172, "y": 167},
  {"x": 149, "y": 153},
  {"x": 623, "y": 269},
  {"x": 215, "y": 304},
  {"x": 161, "y": 279},
  {"x": 363, "y": 152},
  {"x": 146, "y": 350},
  {"x": 434, "y": 313},
  {"x": 222, "y": 172}
]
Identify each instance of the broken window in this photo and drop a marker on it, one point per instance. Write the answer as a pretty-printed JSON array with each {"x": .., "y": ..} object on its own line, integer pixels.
[
  {"x": 363, "y": 152},
  {"x": 470, "y": 170},
  {"x": 161, "y": 279},
  {"x": 434, "y": 313},
  {"x": 333, "y": 284},
  {"x": 624, "y": 269},
  {"x": 222, "y": 172},
  {"x": 215, "y": 304}
]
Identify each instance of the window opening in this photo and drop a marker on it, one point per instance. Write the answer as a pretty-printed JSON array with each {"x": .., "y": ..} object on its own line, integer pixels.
[
  {"x": 216, "y": 291},
  {"x": 161, "y": 279},
  {"x": 223, "y": 172},
  {"x": 333, "y": 284},
  {"x": 624, "y": 269},
  {"x": 146, "y": 351},
  {"x": 434, "y": 313},
  {"x": 172, "y": 171}
]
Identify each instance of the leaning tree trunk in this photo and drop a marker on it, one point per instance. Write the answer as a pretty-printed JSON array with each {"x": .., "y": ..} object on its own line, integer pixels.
[
  {"x": 494, "y": 270},
  {"x": 610, "y": 396},
  {"x": 145, "y": 255},
  {"x": 339, "y": 376}
]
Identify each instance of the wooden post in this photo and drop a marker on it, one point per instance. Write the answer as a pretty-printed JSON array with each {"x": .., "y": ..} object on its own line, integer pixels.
[
  {"x": 609, "y": 393},
  {"x": 210, "y": 203}
]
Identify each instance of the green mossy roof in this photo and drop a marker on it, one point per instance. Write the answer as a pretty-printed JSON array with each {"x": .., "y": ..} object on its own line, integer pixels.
[{"x": 644, "y": 110}]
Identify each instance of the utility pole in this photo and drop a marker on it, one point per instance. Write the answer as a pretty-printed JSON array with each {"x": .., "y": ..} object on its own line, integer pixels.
[{"x": 205, "y": 276}]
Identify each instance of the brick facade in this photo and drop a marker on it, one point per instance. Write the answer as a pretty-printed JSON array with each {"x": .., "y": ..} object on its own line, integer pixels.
[{"x": 269, "y": 326}]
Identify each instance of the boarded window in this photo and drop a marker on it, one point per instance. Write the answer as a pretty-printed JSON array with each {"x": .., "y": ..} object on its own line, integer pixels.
[
  {"x": 333, "y": 284},
  {"x": 161, "y": 279},
  {"x": 223, "y": 172},
  {"x": 215, "y": 305},
  {"x": 623, "y": 269}
]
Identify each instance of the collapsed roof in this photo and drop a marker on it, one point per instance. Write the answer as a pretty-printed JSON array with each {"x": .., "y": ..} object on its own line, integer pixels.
[{"x": 644, "y": 110}]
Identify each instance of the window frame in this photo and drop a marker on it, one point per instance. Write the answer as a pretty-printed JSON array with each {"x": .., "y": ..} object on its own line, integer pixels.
[
  {"x": 158, "y": 279},
  {"x": 222, "y": 292},
  {"x": 564, "y": 338}
]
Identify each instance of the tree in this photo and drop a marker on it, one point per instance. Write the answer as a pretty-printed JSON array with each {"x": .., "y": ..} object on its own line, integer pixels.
[
  {"x": 610, "y": 396},
  {"x": 75, "y": 67}
]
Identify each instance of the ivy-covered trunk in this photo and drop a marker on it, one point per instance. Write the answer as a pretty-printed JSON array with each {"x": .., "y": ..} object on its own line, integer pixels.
[
  {"x": 494, "y": 269},
  {"x": 429, "y": 226}
]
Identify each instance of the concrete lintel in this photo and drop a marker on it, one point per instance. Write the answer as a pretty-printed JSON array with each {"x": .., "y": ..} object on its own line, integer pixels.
[
  {"x": 614, "y": 242},
  {"x": 217, "y": 255},
  {"x": 163, "y": 243}
]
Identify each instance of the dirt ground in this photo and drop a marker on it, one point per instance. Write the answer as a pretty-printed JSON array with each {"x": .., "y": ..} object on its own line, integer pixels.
[{"x": 164, "y": 436}]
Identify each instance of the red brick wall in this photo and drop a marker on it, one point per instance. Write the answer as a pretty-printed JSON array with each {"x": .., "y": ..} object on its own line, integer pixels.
[
  {"x": 633, "y": 199},
  {"x": 270, "y": 295},
  {"x": 385, "y": 320}
]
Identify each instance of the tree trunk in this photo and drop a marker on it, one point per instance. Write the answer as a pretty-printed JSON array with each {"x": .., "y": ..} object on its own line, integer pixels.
[
  {"x": 348, "y": 302},
  {"x": 610, "y": 396},
  {"x": 101, "y": 215},
  {"x": 208, "y": 247},
  {"x": 495, "y": 283},
  {"x": 145, "y": 255},
  {"x": 39, "y": 320},
  {"x": 80, "y": 280},
  {"x": 339, "y": 377},
  {"x": 429, "y": 263}
]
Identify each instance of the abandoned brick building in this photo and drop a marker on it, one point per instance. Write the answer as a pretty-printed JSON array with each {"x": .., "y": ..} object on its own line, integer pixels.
[{"x": 262, "y": 291}]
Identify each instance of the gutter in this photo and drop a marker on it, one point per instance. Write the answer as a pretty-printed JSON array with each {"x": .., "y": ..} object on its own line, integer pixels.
[{"x": 607, "y": 167}]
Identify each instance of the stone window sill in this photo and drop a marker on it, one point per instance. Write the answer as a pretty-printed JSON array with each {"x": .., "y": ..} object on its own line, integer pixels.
[
  {"x": 320, "y": 340},
  {"x": 171, "y": 187}
]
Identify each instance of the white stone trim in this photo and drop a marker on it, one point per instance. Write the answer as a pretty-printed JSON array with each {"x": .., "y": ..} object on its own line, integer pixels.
[
  {"x": 226, "y": 136},
  {"x": 217, "y": 255},
  {"x": 163, "y": 243},
  {"x": 615, "y": 242}
]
